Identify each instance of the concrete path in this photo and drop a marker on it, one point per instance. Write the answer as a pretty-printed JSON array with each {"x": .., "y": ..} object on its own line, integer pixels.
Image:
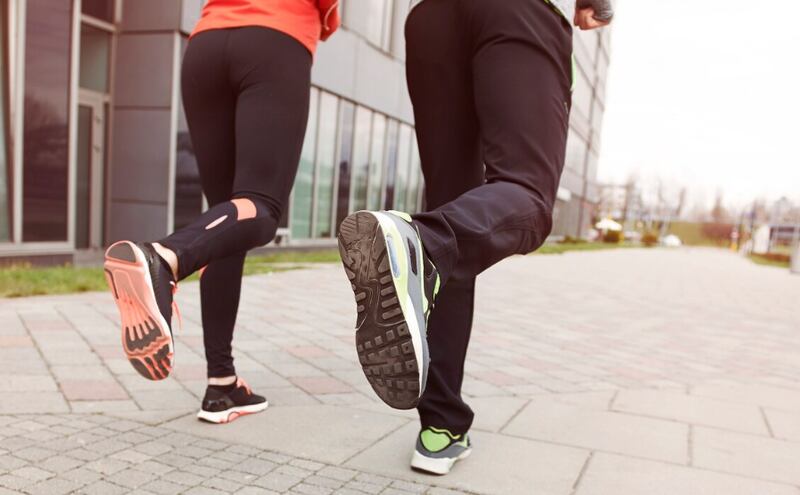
[{"x": 618, "y": 372}]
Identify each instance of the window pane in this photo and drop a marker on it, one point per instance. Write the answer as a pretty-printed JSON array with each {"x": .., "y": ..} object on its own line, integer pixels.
[
  {"x": 369, "y": 18},
  {"x": 576, "y": 152},
  {"x": 326, "y": 148},
  {"x": 388, "y": 17},
  {"x": 304, "y": 184},
  {"x": 361, "y": 159},
  {"x": 5, "y": 168},
  {"x": 403, "y": 159},
  {"x": 391, "y": 162},
  {"x": 95, "y": 56},
  {"x": 83, "y": 179},
  {"x": 415, "y": 177},
  {"x": 102, "y": 9},
  {"x": 188, "y": 189},
  {"x": 346, "y": 114},
  {"x": 45, "y": 140},
  {"x": 376, "y": 163}
]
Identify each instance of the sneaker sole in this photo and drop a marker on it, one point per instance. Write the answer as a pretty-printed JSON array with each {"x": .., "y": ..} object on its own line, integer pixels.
[
  {"x": 431, "y": 465},
  {"x": 146, "y": 338},
  {"x": 388, "y": 342},
  {"x": 231, "y": 414}
]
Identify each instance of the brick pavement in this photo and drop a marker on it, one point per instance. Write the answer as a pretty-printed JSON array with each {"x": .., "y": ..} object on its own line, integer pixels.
[{"x": 627, "y": 371}]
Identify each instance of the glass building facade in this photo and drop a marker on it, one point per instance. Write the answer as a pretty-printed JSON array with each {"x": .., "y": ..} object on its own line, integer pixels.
[{"x": 94, "y": 145}]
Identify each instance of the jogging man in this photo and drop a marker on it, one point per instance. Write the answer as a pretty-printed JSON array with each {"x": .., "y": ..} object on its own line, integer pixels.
[
  {"x": 245, "y": 83},
  {"x": 491, "y": 85}
]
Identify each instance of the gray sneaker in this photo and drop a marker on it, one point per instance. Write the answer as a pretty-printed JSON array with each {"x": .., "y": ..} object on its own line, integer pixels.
[
  {"x": 438, "y": 449},
  {"x": 394, "y": 284}
]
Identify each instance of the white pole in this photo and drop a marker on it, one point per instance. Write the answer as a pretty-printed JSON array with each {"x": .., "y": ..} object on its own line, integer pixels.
[{"x": 795, "y": 260}]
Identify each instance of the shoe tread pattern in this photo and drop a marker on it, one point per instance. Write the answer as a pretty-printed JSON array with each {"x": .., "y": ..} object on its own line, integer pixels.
[
  {"x": 383, "y": 342},
  {"x": 146, "y": 345}
]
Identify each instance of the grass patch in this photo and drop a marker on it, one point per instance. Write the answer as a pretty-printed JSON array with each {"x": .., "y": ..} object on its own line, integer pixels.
[
  {"x": 778, "y": 261},
  {"x": 691, "y": 234},
  {"x": 323, "y": 256},
  {"x": 582, "y": 246},
  {"x": 24, "y": 280}
]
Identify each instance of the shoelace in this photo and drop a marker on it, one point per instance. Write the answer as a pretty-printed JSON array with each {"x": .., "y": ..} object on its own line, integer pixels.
[
  {"x": 240, "y": 383},
  {"x": 175, "y": 308}
]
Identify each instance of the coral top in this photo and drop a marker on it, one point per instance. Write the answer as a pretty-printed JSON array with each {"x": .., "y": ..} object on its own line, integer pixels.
[{"x": 307, "y": 21}]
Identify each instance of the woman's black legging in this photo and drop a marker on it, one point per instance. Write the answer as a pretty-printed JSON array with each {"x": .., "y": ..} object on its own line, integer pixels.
[{"x": 246, "y": 95}]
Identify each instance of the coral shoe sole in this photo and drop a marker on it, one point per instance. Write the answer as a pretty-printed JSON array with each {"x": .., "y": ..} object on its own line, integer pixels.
[{"x": 146, "y": 335}]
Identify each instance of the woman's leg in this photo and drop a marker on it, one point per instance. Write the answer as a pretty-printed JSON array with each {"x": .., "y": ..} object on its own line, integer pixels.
[
  {"x": 271, "y": 73},
  {"x": 141, "y": 282},
  {"x": 254, "y": 81},
  {"x": 210, "y": 106},
  {"x": 249, "y": 120},
  {"x": 220, "y": 287},
  {"x": 270, "y": 76}
]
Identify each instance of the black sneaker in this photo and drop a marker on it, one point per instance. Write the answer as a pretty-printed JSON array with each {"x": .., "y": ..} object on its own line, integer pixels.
[
  {"x": 223, "y": 404},
  {"x": 395, "y": 285},
  {"x": 143, "y": 287}
]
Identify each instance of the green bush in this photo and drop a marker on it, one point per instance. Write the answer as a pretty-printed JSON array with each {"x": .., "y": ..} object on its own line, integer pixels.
[
  {"x": 613, "y": 237},
  {"x": 775, "y": 257},
  {"x": 649, "y": 239},
  {"x": 572, "y": 240}
]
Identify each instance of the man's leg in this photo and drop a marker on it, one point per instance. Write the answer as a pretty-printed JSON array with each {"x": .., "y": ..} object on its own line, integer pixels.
[
  {"x": 521, "y": 73},
  {"x": 440, "y": 84},
  {"x": 520, "y": 89}
]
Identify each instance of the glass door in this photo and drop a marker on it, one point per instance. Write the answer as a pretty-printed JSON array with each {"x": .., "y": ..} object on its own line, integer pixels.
[
  {"x": 98, "y": 26},
  {"x": 90, "y": 171}
]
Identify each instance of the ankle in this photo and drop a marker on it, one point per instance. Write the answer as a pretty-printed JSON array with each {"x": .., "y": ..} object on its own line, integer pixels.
[
  {"x": 169, "y": 256},
  {"x": 222, "y": 381}
]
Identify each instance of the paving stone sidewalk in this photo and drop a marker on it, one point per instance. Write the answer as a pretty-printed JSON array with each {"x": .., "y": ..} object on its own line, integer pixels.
[{"x": 618, "y": 372}]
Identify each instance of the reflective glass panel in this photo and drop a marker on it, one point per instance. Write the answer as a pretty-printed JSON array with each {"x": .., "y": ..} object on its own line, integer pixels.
[
  {"x": 415, "y": 177},
  {"x": 376, "y": 154},
  {"x": 45, "y": 138},
  {"x": 188, "y": 189},
  {"x": 391, "y": 162},
  {"x": 83, "y": 195},
  {"x": 403, "y": 159},
  {"x": 370, "y": 18},
  {"x": 304, "y": 184},
  {"x": 346, "y": 114},
  {"x": 326, "y": 149},
  {"x": 5, "y": 167},
  {"x": 95, "y": 58},
  {"x": 102, "y": 9},
  {"x": 360, "y": 169}
]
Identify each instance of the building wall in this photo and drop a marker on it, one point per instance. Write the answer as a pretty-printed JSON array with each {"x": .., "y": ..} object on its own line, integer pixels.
[
  {"x": 143, "y": 138},
  {"x": 574, "y": 215},
  {"x": 360, "y": 149}
]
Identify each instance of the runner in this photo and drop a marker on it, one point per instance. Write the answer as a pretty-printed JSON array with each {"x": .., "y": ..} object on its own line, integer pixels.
[
  {"x": 246, "y": 84},
  {"x": 491, "y": 87}
]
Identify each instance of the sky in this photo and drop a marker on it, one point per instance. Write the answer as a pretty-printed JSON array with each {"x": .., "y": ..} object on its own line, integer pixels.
[{"x": 705, "y": 94}]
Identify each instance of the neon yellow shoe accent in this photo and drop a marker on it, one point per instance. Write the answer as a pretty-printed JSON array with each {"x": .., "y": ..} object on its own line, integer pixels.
[
  {"x": 574, "y": 72},
  {"x": 435, "y": 440},
  {"x": 405, "y": 216}
]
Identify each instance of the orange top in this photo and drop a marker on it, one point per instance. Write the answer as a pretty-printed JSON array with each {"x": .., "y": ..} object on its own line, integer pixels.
[{"x": 307, "y": 21}]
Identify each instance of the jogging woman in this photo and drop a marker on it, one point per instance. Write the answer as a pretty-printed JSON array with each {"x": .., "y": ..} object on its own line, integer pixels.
[
  {"x": 490, "y": 82},
  {"x": 246, "y": 84}
]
